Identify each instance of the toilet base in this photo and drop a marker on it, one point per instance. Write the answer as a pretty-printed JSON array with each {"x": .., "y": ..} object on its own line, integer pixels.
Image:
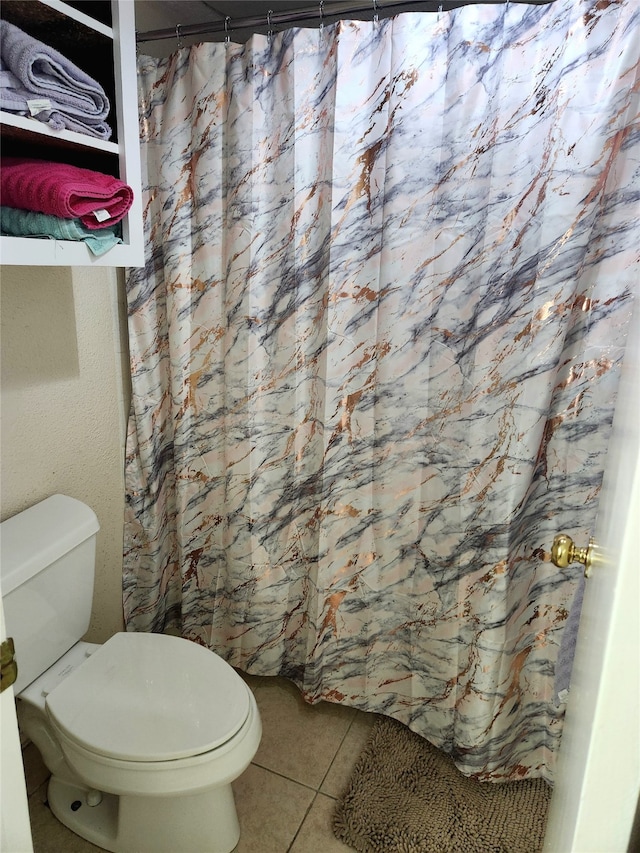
[{"x": 200, "y": 823}]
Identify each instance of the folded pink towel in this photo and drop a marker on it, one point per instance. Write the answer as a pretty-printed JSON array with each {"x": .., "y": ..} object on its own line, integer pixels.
[{"x": 60, "y": 189}]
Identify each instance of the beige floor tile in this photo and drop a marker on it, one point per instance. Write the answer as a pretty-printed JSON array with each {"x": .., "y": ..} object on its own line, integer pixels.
[
  {"x": 270, "y": 810},
  {"x": 298, "y": 740},
  {"x": 341, "y": 768},
  {"x": 49, "y": 835},
  {"x": 255, "y": 681},
  {"x": 316, "y": 835}
]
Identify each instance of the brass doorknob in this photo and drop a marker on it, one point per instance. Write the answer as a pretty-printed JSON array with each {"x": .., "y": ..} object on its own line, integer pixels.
[{"x": 564, "y": 552}]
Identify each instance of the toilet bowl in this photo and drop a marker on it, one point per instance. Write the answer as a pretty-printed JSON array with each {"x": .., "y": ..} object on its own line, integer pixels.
[{"x": 144, "y": 734}]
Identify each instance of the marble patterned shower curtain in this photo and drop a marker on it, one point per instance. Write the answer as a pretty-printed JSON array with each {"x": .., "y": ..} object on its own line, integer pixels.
[{"x": 375, "y": 352}]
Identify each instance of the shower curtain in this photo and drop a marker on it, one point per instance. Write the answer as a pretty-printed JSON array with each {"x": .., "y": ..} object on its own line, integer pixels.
[{"x": 375, "y": 351}]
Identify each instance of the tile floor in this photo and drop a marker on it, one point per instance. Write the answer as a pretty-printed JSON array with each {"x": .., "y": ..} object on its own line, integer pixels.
[{"x": 286, "y": 797}]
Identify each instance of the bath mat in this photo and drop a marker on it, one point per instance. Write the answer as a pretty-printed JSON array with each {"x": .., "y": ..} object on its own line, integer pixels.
[{"x": 405, "y": 796}]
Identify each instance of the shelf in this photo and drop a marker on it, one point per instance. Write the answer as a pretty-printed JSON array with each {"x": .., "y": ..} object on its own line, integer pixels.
[
  {"x": 26, "y": 128},
  {"x": 70, "y": 11},
  {"x": 33, "y": 251},
  {"x": 104, "y": 47}
]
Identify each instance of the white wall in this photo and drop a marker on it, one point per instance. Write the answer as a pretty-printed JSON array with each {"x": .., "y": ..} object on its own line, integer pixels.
[
  {"x": 63, "y": 406},
  {"x": 160, "y": 14}
]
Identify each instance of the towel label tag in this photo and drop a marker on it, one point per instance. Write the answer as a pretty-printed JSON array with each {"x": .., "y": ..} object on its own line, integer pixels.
[
  {"x": 37, "y": 105},
  {"x": 102, "y": 215}
]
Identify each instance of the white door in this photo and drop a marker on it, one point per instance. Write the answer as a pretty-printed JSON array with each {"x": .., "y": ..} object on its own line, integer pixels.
[
  {"x": 15, "y": 835},
  {"x": 598, "y": 776}
]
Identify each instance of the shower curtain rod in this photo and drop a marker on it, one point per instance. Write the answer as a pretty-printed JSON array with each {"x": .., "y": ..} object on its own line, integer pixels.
[{"x": 320, "y": 10}]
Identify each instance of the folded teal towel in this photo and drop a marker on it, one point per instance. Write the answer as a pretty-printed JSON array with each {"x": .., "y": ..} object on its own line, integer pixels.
[{"x": 16, "y": 222}]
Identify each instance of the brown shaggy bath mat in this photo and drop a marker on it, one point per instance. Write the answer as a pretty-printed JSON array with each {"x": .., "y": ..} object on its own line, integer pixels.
[{"x": 405, "y": 796}]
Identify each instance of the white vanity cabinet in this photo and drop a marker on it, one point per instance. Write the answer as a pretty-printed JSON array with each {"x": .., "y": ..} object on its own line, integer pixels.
[{"x": 99, "y": 37}]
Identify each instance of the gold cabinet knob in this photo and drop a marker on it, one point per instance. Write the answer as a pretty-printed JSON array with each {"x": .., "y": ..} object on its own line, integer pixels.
[{"x": 564, "y": 552}]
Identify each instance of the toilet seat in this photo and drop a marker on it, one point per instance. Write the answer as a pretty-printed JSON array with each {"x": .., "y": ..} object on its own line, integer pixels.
[{"x": 150, "y": 698}]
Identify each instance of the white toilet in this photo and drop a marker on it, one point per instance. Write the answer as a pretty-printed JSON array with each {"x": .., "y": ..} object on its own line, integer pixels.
[{"x": 143, "y": 735}]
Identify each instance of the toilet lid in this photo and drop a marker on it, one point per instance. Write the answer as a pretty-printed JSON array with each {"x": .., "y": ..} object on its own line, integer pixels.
[{"x": 150, "y": 697}]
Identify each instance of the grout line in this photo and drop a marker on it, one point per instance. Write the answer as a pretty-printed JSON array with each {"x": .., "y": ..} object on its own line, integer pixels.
[
  {"x": 340, "y": 745},
  {"x": 291, "y": 779},
  {"x": 331, "y": 763},
  {"x": 306, "y": 815}
]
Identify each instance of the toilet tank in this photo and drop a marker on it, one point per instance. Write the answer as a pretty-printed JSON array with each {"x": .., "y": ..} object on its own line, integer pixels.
[{"x": 47, "y": 560}]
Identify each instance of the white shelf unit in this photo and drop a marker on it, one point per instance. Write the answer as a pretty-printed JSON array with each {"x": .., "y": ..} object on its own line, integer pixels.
[{"x": 106, "y": 51}]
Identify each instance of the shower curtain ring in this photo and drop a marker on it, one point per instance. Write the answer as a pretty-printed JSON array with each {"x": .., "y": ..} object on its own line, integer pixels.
[
  {"x": 226, "y": 29},
  {"x": 269, "y": 30},
  {"x": 321, "y": 13},
  {"x": 375, "y": 11},
  {"x": 178, "y": 36},
  {"x": 439, "y": 11}
]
